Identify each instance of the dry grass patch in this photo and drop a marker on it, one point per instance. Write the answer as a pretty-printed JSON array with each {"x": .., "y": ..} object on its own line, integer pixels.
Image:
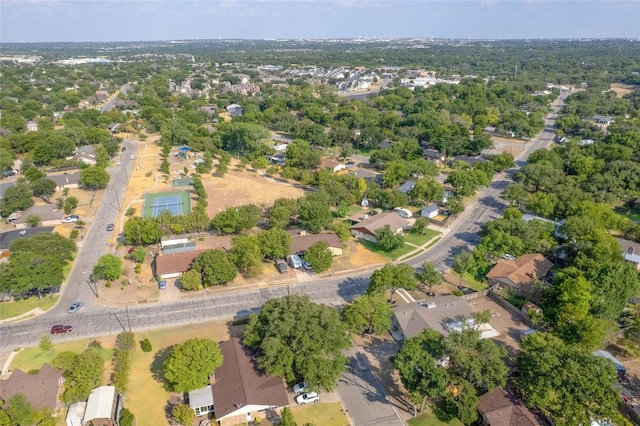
[
  {"x": 623, "y": 89},
  {"x": 325, "y": 414},
  {"x": 147, "y": 396}
]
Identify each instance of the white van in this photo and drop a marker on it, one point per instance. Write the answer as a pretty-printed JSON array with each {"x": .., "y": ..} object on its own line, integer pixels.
[
  {"x": 294, "y": 261},
  {"x": 402, "y": 212}
]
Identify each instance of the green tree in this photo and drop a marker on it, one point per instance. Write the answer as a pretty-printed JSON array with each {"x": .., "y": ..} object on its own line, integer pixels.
[
  {"x": 236, "y": 219},
  {"x": 142, "y": 231},
  {"x": 94, "y": 177},
  {"x": 246, "y": 255},
  {"x": 418, "y": 364},
  {"x": 17, "y": 197},
  {"x": 392, "y": 277},
  {"x": 567, "y": 382},
  {"x": 427, "y": 190},
  {"x": 286, "y": 417},
  {"x": 70, "y": 204},
  {"x": 34, "y": 221},
  {"x": 312, "y": 352},
  {"x": 33, "y": 174},
  {"x": 342, "y": 230},
  {"x": 315, "y": 214},
  {"x": 429, "y": 276},
  {"x": 126, "y": 417},
  {"x": 274, "y": 243},
  {"x": 139, "y": 254},
  {"x": 21, "y": 411},
  {"x": 190, "y": 364},
  {"x": 420, "y": 226},
  {"x": 455, "y": 206},
  {"x": 300, "y": 155},
  {"x": 191, "y": 280},
  {"x": 388, "y": 240},
  {"x": 462, "y": 263},
  {"x": 43, "y": 188},
  {"x": 109, "y": 267},
  {"x": 45, "y": 344},
  {"x": 319, "y": 256},
  {"x": 461, "y": 401},
  {"x": 368, "y": 313},
  {"x": 102, "y": 156},
  {"x": 83, "y": 373},
  {"x": 215, "y": 268},
  {"x": 516, "y": 194},
  {"x": 183, "y": 414},
  {"x": 6, "y": 159}
]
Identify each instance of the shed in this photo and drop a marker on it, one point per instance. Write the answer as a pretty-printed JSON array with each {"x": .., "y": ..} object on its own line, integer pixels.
[
  {"x": 173, "y": 240},
  {"x": 76, "y": 413},
  {"x": 430, "y": 211}
]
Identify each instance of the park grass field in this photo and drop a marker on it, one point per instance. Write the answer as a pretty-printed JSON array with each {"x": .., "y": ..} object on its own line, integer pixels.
[{"x": 19, "y": 307}]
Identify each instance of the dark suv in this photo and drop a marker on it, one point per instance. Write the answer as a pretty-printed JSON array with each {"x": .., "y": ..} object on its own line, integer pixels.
[{"x": 282, "y": 266}]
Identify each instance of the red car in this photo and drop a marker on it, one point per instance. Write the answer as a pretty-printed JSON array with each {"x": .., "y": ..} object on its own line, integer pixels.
[{"x": 61, "y": 329}]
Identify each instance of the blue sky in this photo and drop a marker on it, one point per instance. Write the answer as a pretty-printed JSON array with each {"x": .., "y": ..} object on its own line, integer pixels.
[{"x": 134, "y": 20}]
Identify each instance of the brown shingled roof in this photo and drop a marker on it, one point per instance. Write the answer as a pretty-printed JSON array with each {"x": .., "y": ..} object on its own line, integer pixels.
[
  {"x": 303, "y": 242},
  {"x": 40, "y": 389},
  {"x": 521, "y": 272},
  {"x": 176, "y": 262},
  {"x": 238, "y": 382},
  {"x": 372, "y": 223},
  {"x": 501, "y": 408}
]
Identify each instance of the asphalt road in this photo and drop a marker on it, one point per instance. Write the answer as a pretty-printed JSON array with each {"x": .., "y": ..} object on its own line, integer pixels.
[{"x": 96, "y": 320}]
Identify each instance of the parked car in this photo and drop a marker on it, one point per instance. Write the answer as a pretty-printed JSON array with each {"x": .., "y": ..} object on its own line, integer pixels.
[
  {"x": 294, "y": 261},
  {"x": 132, "y": 157},
  {"x": 61, "y": 329},
  {"x": 162, "y": 285},
  {"x": 282, "y": 266},
  {"x": 300, "y": 387},
  {"x": 75, "y": 307},
  {"x": 307, "y": 398},
  {"x": 306, "y": 265},
  {"x": 124, "y": 148},
  {"x": 509, "y": 257},
  {"x": 110, "y": 227},
  {"x": 71, "y": 219}
]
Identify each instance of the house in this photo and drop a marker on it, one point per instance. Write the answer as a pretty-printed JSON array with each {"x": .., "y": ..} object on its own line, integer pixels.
[
  {"x": 445, "y": 196},
  {"x": 49, "y": 216},
  {"x": 76, "y": 413},
  {"x": 364, "y": 203},
  {"x": 367, "y": 175},
  {"x": 433, "y": 155},
  {"x": 241, "y": 392},
  {"x": 173, "y": 265},
  {"x": 103, "y": 407},
  {"x": 407, "y": 186},
  {"x": 331, "y": 163},
  {"x": 66, "y": 180},
  {"x": 630, "y": 251},
  {"x": 430, "y": 211},
  {"x": 366, "y": 230},
  {"x": 620, "y": 368},
  {"x": 201, "y": 401},
  {"x": 469, "y": 161},
  {"x": 411, "y": 319},
  {"x": 32, "y": 126},
  {"x": 235, "y": 110},
  {"x": 172, "y": 240},
  {"x": 302, "y": 243},
  {"x": 113, "y": 127},
  {"x": 501, "y": 408},
  {"x": 519, "y": 274},
  {"x": 86, "y": 154},
  {"x": 7, "y": 237},
  {"x": 42, "y": 389},
  {"x": 489, "y": 129},
  {"x": 604, "y": 120}
]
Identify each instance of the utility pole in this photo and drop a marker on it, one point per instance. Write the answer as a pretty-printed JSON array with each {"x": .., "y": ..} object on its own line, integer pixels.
[{"x": 128, "y": 319}]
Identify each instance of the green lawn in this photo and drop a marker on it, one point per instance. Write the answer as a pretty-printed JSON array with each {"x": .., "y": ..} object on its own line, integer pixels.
[
  {"x": 14, "y": 308},
  {"x": 418, "y": 239},
  {"x": 389, "y": 255},
  {"x": 473, "y": 283},
  {"x": 432, "y": 420},
  {"x": 33, "y": 358},
  {"x": 325, "y": 414},
  {"x": 628, "y": 213}
]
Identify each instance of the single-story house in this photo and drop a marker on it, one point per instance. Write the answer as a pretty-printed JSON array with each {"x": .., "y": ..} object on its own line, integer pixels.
[
  {"x": 42, "y": 389},
  {"x": 241, "y": 392},
  {"x": 66, "y": 180},
  {"x": 605, "y": 120},
  {"x": 113, "y": 127},
  {"x": 173, "y": 265},
  {"x": 301, "y": 243},
  {"x": 366, "y": 230},
  {"x": 407, "y": 186},
  {"x": 620, "y": 368},
  {"x": 235, "y": 110},
  {"x": 32, "y": 126},
  {"x": 367, "y": 175},
  {"x": 76, "y": 413},
  {"x": 469, "y": 161},
  {"x": 519, "y": 274},
  {"x": 7, "y": 237},
  {"x": 201, "y": 401},
  {"x": 433, "y": 155},
  {"x": 103, "y": 407},
  {"x": 86, "y": 154},
  {"x": 49, "y": 216},
  {"x": 489, "y": 129},
  {"x": 331, "y": 163},
  {"x": 630, "y": 251},
  {"x": 411, "y": 319},
  {"x": 501, "y": 408},
  {"x": 430, "y": 211}
]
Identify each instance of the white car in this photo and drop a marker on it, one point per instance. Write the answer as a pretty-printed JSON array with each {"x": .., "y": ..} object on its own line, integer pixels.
[
  {"x": 509, "y": 257},
  {"x": 300, "y": 387},
  {"x": 71, "y": 219},
  {"x": 307, "y": 398}
]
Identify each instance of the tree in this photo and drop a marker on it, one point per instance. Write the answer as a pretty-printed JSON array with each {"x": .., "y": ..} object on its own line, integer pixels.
[
  {"x": 392, "y": 277},
  {"x": 246, "y": 255},
  {"x": 83, "y": 373},
  {"x": 299, "y": 339},
  {"x": 33, "y": 221},
  {"x": 6, "y": 159},
  {"x": 315, "y": 214},
  {"x": 45, "y": 344},
  {"x": 286, "y": 417},
  {"x": 43, "y": 188},
  {"x": 462, "y": 263},
  {"x": 274, "y": 243},
  {"x": 418, "y": 363},
  {"x": 141, "y": 231},
  {"x": 319, "y": 256},
  {"x": 461, "y": 401},
  {"x": 21, "y": 411},
  {"x": 369, "y": 313},
  {"x": 427, "y": 190},
  {"x": 420, "y": 226},
  {"x": 94, "y": 177},
  {"x": 455, "y": 206},
  {"x": 69, "y": 204},
  {"x": 191, "y": 280},
  {"x": 566, "y": 381},
  {"x": 215, "y": 268},
  {"x": 16, "y": 197},
  {"x": 109, "y": 267},
  {"x": 127, "y": 418},
  {"x": 236, "y": 219},
  {"x": 139, "y": 254},
  {"x": 190, "y": 364},
  {"x": 429, "y": 276},
  {"x": 516, "y": 194},
  {"x": 388, "y": 240},
  {"x": 183, "y": 414}
]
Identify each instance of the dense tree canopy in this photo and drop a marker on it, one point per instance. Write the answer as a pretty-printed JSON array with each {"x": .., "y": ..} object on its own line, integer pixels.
[
  {"x": 214, "y": 267},
  {"x": 190, "y": 364}
]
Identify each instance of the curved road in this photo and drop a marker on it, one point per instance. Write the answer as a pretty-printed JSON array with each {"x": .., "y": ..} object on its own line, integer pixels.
[{"x": 96, "y": 320}]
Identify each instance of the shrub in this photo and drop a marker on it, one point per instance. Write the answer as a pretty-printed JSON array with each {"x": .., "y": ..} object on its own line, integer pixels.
[
  {"x": 74, "y": 234},
  {"x": 126, "y": 417},
  {"x": 457, "y": 292},
  {"x": 145, "y": 345}
]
